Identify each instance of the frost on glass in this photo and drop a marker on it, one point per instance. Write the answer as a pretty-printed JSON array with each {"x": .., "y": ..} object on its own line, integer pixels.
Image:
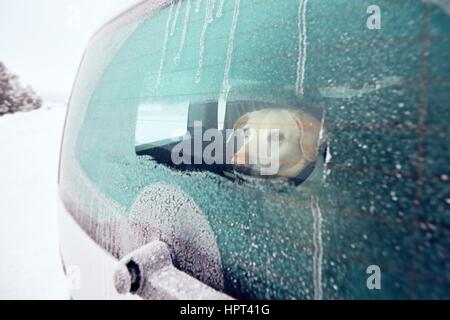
[
  {"x": 163, "y": 212},
  {"x": 379, "y": 191},
  {"x": 183, "y": 33}
]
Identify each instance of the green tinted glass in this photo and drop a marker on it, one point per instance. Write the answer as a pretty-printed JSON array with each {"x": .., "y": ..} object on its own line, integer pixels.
[{"x": 380, "y": 196}]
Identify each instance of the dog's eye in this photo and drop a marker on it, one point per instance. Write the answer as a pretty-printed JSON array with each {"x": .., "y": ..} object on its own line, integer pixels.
[{"x": 246, "y": 132}]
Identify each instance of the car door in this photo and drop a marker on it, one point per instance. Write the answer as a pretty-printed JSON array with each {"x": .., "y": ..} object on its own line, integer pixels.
[{"x": 375, "y": 197}]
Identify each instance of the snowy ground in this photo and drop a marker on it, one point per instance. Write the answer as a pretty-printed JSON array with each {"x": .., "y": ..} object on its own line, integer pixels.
[{"x": 29, "y": 148}]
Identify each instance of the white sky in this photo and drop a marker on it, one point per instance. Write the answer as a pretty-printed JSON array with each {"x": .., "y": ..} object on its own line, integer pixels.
[{"x": 42, "y": 41}]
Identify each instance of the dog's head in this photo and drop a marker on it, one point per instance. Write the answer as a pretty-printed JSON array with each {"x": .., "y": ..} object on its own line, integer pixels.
[{"x": 284, "y": 140}]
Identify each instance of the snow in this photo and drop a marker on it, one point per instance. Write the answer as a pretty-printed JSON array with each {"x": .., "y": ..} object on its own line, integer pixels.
[
  {"x": 30, "y": 266},
  {"x": 177, "y": 218}
]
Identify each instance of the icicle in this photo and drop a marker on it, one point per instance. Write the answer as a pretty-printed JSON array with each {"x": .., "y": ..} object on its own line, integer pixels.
[
  {"x": 175, "y": 19},
  {"x": 301, "y": 47},
  {"x": 197, "y": 6},
  {"x": 211, "y": 11},
  {"x": 226, "y": 75},
  {"x": 208, "y": 18},
  {"x": 177, "y": 58},
  {"x": 220, "y": 9},
  {"x": 164, "y": 49},
  {"x": 318, "y": 248}
]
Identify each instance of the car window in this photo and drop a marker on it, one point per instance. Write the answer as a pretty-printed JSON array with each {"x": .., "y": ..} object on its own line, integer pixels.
[
  {"x": 158, "y": 123},
  {"x": 256, "y": 138}
]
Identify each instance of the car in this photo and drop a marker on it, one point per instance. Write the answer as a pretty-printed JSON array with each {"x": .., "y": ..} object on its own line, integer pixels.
[{"x": 153, "y": 206}]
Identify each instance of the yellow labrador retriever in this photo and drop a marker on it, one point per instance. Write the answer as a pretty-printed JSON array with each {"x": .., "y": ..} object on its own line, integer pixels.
[{"x": 299, "y": 138}]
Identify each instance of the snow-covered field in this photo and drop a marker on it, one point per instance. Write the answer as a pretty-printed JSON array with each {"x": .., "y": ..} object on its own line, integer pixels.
[{"x": 29, "y": 258}]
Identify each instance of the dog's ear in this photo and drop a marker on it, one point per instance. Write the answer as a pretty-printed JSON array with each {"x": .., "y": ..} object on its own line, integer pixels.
[
  {"x": 241, "y": 122},
  {"x": 310, "y": 129}
]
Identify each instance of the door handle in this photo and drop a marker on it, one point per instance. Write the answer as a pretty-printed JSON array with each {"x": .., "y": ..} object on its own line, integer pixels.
[{"x": 149, "y": 272}]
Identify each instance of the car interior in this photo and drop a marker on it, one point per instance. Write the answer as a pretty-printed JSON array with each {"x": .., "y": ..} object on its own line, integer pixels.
[{"x": 208, "y": 113}]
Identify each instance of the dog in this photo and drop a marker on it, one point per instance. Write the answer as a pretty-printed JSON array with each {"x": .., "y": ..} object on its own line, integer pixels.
[{"x": 299, "y": 137}]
